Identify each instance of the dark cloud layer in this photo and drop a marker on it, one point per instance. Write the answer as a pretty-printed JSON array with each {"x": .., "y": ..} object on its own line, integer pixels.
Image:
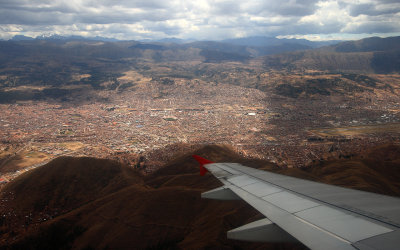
[
  {"x": 373, "y": 10},
  {"x": 202, "y": 19}
]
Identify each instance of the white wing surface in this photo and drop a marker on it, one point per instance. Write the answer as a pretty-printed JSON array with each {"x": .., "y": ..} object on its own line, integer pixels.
[{"x": 320, "y": 216}]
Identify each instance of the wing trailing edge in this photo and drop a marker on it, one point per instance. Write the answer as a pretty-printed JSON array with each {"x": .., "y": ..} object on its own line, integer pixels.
[
  {"x": 221, "y": 193},
  {"x": 262, "y": 230}
]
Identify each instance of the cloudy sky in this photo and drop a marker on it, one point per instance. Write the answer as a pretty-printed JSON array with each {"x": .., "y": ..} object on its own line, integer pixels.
[{"x": 201, "y": 19}]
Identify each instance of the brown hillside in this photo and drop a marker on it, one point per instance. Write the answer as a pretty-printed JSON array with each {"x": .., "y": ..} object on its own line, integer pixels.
[
  {"x": 56, "y": 188},
  {"x": 376, "y": 170},
  {"x": 165, "y": 210},
  {"x": 146, "y": 219},
  {"x": 67, "y": 183}
]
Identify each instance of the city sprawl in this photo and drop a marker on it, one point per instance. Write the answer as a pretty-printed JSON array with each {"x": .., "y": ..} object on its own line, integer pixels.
[{"x": 291, "y": 127}]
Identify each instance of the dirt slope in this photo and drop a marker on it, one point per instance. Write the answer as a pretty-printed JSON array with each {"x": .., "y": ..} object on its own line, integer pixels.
[{"x": 68, "y": 182}]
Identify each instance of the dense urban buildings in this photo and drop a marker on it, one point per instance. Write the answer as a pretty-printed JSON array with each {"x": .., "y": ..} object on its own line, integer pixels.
[{"x": 291, "y": 132}]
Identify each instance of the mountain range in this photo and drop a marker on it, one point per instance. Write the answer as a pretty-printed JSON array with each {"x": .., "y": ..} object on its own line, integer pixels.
[
  {"x": 249, "y": 46},
  {"x": 254, "y": 41},
  {"x": 370, "y": 55}
]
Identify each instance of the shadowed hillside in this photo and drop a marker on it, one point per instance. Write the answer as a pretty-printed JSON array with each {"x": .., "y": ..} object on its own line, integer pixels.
[
  {"x": 121, "y": 210},
  {"x": 369, "y": 55},
  {"x": 376, "y": 170},
  {"x": 369, "y": 45},
  {"x": 68, "y": 182},
  {"x": 110, "y": 206},
  {"x": 58, "y": 187}
]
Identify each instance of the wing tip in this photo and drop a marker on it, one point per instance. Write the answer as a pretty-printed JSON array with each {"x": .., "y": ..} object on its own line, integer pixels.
[{"x": 202, "y": 162}]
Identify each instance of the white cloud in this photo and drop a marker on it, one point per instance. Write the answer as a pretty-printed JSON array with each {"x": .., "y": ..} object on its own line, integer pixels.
[
  {"x": 202, "y": 19},
  {"x": 328, "y": 14}
]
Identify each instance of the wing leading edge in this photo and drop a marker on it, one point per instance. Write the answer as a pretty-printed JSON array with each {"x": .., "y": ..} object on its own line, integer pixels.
[{"x": 320, "y": 216}]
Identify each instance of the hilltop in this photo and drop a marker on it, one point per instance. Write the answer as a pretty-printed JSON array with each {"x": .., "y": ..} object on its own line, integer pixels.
[{"x": 109, "y": 205}]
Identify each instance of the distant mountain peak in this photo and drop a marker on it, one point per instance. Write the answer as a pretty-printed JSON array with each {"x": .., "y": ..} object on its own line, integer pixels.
[
  {"x": 21, "y": 38},
  {"x": 262, "y": 41},
  {"x": 53, "y": 37}
]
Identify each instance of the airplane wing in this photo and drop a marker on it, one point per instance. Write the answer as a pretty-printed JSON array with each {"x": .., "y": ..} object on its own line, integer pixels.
[{"x": 320, "y": 216}]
